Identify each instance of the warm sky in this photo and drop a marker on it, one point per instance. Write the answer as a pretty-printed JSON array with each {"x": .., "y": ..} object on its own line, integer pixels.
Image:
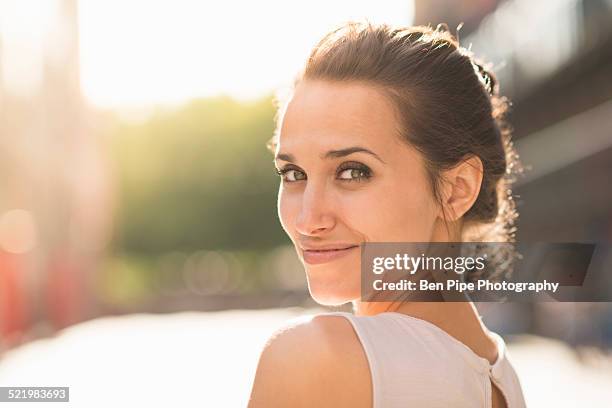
[{"x": 136, "y": 53}]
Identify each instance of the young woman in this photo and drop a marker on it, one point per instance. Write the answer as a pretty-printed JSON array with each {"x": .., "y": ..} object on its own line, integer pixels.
[{"x": 390, "y": 135}]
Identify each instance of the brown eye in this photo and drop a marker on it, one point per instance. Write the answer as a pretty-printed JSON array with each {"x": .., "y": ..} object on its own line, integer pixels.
[
  {"x": 354, "y": 172},
  {"x": 291, "y": 175},
  {"x": 351, "y": 174},
  {"x": 294, "y": 175}
]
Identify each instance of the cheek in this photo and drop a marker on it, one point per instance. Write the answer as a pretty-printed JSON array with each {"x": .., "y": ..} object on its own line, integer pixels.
[
  {"x": 410, "y": 215},
  {"x": 393, "y": 212}
]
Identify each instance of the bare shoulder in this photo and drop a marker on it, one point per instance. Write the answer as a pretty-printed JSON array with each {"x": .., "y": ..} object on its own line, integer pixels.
[{"x": 313, "y": 362}]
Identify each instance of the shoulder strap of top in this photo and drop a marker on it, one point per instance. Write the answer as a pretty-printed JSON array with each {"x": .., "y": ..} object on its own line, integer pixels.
[{"x": 364, "y": 333}]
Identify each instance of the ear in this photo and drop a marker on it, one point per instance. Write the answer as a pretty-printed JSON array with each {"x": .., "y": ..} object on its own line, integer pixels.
[{"x": 461, "y": 187}]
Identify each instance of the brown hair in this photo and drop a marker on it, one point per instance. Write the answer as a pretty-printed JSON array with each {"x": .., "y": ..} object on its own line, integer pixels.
[{"x": 449, "y": 108}]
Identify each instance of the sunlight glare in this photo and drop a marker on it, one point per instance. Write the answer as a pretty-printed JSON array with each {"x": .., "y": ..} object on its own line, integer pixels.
[{"x": 165, "y": 52}]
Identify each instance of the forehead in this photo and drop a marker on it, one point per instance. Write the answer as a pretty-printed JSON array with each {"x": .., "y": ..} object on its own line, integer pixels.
[{"x": 334, "y": 114}]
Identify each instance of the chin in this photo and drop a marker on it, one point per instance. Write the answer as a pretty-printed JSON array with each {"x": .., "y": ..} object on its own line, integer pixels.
[
  {"x": 328, "y": 291},
  {"x": 329, "y": 299}
]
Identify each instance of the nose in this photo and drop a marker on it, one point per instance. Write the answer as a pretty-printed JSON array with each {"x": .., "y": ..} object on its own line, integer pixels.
[{"x": 316, "y": 215}]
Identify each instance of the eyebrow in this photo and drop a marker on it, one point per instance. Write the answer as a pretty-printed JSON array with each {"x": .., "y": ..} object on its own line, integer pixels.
[{"x": 334, "y": 153}]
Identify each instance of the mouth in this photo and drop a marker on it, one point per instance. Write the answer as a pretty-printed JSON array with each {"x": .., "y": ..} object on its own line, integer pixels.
[{"x": 319, "y": 256}]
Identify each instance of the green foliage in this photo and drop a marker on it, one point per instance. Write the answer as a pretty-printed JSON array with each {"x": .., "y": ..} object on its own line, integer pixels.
[{"x": 197, "y": 178}]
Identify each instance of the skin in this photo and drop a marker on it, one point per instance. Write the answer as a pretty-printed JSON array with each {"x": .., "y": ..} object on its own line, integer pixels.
[{"x": 352, "y": 197}]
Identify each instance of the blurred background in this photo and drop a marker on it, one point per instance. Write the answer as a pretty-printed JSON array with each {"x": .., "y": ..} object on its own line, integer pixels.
[{"x": 134, "y": 182}]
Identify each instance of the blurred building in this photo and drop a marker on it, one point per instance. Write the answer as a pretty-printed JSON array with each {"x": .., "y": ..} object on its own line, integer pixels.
[{"x": 54, "y": 199}]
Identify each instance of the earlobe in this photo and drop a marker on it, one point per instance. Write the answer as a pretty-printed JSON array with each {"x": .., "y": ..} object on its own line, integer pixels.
[{"x": 461, "y": 186}]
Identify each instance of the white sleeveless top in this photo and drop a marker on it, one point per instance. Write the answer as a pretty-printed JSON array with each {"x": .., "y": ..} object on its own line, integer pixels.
[{"x": 414, "y": 363}]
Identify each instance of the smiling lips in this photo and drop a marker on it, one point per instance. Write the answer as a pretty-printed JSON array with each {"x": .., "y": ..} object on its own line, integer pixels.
[{"x": 317, "y": 256}]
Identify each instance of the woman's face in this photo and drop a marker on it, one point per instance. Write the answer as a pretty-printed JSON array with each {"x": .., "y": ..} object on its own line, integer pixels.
[{"x": 347, "y": 178}]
